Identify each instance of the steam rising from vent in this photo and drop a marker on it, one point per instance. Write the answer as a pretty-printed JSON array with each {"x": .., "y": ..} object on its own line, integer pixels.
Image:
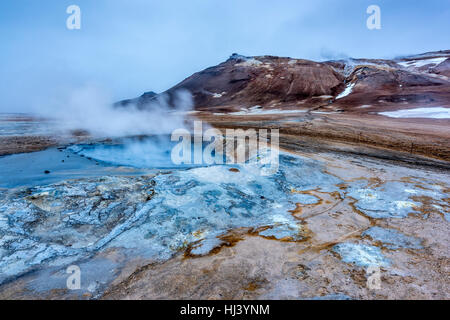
[{"x": 91, "y": 110}]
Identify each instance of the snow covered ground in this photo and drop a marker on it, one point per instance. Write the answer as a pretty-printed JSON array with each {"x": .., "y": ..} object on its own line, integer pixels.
[
  {"x": 258, "y": 110},
  {"x": 434, "y": 113},
  {"x": 347, "y": 91},
  {"x": 422, "y": 62}
]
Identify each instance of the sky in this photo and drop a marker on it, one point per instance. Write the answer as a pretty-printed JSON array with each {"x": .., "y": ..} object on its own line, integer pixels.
[{"x": 133, "y": 46}]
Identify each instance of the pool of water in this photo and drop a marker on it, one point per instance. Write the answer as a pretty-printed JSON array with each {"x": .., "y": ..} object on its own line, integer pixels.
[
  {"x": 53, "y": 165},
  {"x": 151, "y": 152}
]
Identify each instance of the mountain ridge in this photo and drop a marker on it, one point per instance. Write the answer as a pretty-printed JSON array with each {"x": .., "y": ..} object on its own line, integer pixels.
[{"x": 342, "y": 85}]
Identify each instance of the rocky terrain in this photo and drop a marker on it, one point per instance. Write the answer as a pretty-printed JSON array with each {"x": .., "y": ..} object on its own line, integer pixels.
[
  {"x": 344, "y": 101},
  {"x": 287, "y": 83},
  {"x": 226, "y": 232},
  {"x": 354, "y": 102},
  {"x": 363, "y": 181}
]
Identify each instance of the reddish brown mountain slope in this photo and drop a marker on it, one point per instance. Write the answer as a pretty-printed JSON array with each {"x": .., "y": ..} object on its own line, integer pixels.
[{"x": 286, "y": 83}]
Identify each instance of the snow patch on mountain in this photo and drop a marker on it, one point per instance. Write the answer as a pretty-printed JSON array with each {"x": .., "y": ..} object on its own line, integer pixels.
[
  {"x": 346, "y": 92},
  {"x": 434, "y": 113},
  {"x": 422, "y": 62}
]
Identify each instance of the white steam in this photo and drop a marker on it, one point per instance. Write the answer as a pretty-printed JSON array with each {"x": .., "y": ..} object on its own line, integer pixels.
[{"x": 92, "y": 110}]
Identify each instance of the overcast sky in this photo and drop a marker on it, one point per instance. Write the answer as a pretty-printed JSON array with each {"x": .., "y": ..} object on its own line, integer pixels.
[{"x": 131, "y": 46}]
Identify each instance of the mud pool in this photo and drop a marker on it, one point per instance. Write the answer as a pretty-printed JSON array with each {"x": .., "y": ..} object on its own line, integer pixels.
[{"x": 108, "y": 201}]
